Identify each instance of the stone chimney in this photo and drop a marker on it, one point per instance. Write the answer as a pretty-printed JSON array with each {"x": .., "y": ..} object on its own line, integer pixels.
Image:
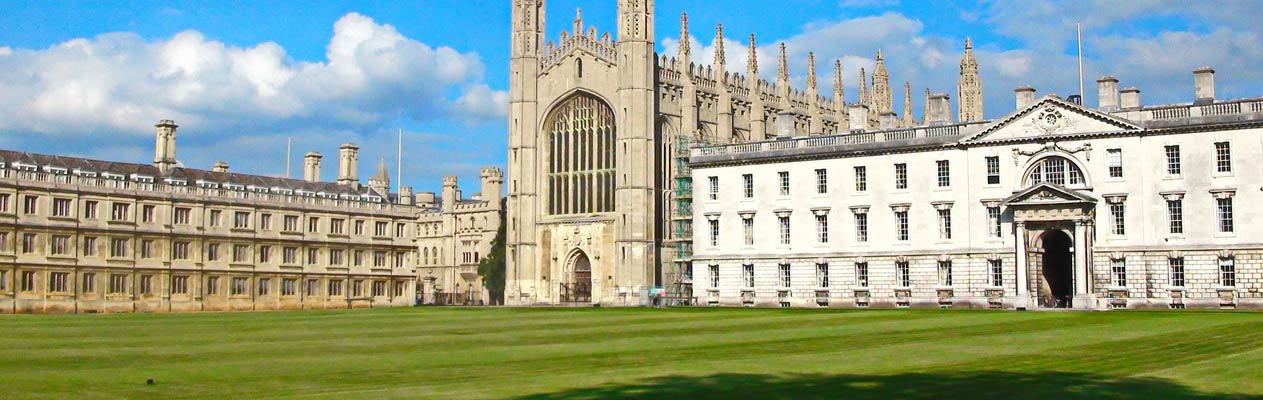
[
  {"x": 888, "y": 121},
  {"x": 451, "y": 194},
  {"x": 219, "y": 166},
  {"x": 405, "y": 196},
  {"x": 424, "y": 199},
  {"x": 311, "y": 167},
  {"x": 348, "y": 158},
  {"x": 164, "y": 145},
  {"x": 940, "y": 110},
  {"x": 1107, "y": 93},
  {"x": 858, "y": 117},
  {"x": 1204, "y": 85},
  {"x": 1131, "y": 97},
  {"x": 1024, "y": 95},
  {"x": 785, "y": 121}
]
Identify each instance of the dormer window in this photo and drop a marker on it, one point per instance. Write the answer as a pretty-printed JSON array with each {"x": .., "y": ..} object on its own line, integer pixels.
[
  {"x": 113, "y": 176},
  {"x": 24, "y": 167},
  {"x": 142, "y": 178},
  {"x": 175, "y": 182},
  {"x": 56, "y": 170},
  {"x": 207, "y": 184},
  {"x": 233, "y": 186},
  {"x": 86, "y": 174}
]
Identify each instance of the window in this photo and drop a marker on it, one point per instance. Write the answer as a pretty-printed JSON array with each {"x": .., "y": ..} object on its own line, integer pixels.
[
  {"x": 336, "y": 226},
  {"x": 241, "y": 253},
  {"x": 4, "y": 241},
  {"x": 212, "y": 285},
  {"x": 901, "y": 225},
  {"x": 997, "y": 272},
  {"x": 822, "y": 228},
  {"x": 748, "y": 180},
  {"x": 61, "y": 207},
  {"x": 289, "y": 287},
  {"x": 1054, "y": 170},
  {"x": 903, "y": 274},
  {"x": 993, "y": 222},
  {"x": 379, "y": 288},
  {"x": 265, "y": 286},
  {"x": 1176, "y": 265},
  {"x": 1225, "y": 214},
  {"x": 1227, "y": 272},
  {"x": 146, "y": 284},
  {"x": 182, "y": 216},
  {"x": 180, "y": 284},
  {"x": 241, "y": 220},
  {"x": 380, "y": 229},
  {"x": 265, "y": 221},
  {"x": 335, "y": 287},
  {"x": 88, "y": 285},
  {"x": 4, "y": 202},
  {"x": 1223, "y": 157},
  {"x": 359, "y": 257},
  {"x": 714, "y": 232},
  {"x": 313, "y": 256},
  {"x": 861, "y": 274},
  {"x": 146, "y": 249},
  {"x": 1175, "y": 216},
  {"x": 822, "y": 181},
  {"x": 747, "y": 275},
  {"x": 822, "y": 275},
  {"x": 180, "y": 251},
  {"x": 1119, "y": 218},
  {"x": 357, "y": 288},
  {"x": 147, "y": 214},
  {"x": 216, "y": 217},
  {"x": 1173, "y": 160},
  {"x": 335, "y": 257},
  {"x": 861, "y": 178},
  {"x": 945, "y": 224},
  {"x": 28, "y": 243},
  {"x": 313, "y": 224},
  {"x": 747, "y": 226},
  {"x": 89, "y": 246},
  {"x": 993, "y": 170},
  {"x": 945, "y": 273},
  {"x": 783, "y": 275},
  {"x": 359, "y": 227},
  {"x": 944, "y": 173},
  {"x": 118, "y": 283},
  {"x": 119, "y": 211},
  {"x": 291, "y": 223},
  {"x": 118, "y": 247},
  {"x": 239, "y": 286},
  {"x": 714, "y": 275},
  {"x": 784, "y": 223},
  {"x": 89, "y": 209},
  {"x": 265, "y": 254},
  {"x": 399, "y": 288},
  {"x": 901, "y": 176},
  {"x": 861, "y": 228},
  {"x": 57, "y": 282},
  {"x": 28, "y": 281},
  {"x": 379, "y": 259},
  {"x": 1118, "y": 272},
  {"x": 313, "y": 287},
  {"x": 1114, "y": 158},
  {"x": 714, "y": 187},
  {"x": 30, "y": 205},
  {"x": 60, "y": 245},
  {"x": 212, "y": 252},
  {"x": 784, "y": 179},
  {"x": 399, "y": 229},
  {"x": 289, "y": 255}
]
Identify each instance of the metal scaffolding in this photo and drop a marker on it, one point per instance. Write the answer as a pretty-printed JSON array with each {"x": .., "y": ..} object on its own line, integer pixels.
[{"x": 680, "y": 276}]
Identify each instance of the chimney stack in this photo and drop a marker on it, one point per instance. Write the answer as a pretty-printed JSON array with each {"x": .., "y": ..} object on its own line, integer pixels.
[
  {"x": 164, "y": 145},
  {"x": 887, "y": 121},
  {"x": 451, "y": 193},
  {"x": 219, "y": 166},
  {"x": 1131, "y": 97},
  {"x": 1025, "y": 96},
  {"x": 1204, "y": 85},
  {"x": 311, "y": 167},
  {"x": 348, "y": 157},
  {"x": 940, "y": 109},
  {"x": 1107, "y": 93},
  {"x": 858, "y": 117},
  {"x": 405, "y": 196},
  {"x": 785, "y": 122},
  {"x": 424, "y": 199}
]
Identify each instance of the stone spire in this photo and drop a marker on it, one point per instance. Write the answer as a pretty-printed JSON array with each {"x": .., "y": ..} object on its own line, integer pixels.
[
  {"x": 380, "y": 181},
  {"x": 864, "y": 89},
  {"x": 881, "y": 95},
  {"x": 908, "y": 121},
  {"x": 969, "y": 86},
  {"x": 685, "y": 49},
  {"x": 719, "y": 49},
  {"x": 578, "y": 22},
  {"x": 811, "y": 71},
  {"x": 752, "y": 61},
  {"x": 839, "y": 94},
  {"x": 925, "y": 112},
  {"x": 782, "y": 75}
]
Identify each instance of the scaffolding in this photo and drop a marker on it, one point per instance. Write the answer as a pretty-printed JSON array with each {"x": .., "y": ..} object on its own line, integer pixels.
[{"x": 680, "y": 274}]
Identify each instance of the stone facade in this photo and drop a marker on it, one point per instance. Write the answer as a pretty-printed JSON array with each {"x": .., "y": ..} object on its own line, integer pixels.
[{"x": 454, "y": 234}]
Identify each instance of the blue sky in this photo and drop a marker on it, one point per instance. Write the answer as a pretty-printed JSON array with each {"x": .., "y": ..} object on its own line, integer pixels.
[{"x": 91, "y": 78}]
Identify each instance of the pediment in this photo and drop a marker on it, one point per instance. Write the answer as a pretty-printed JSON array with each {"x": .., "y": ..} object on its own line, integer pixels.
[
  {"x": 1047, "y": 194},
  {"x": 1051, "y": 117}
]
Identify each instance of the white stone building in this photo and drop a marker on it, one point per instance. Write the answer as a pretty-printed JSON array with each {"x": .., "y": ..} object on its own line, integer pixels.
[{"x": 1053, "y": 205}]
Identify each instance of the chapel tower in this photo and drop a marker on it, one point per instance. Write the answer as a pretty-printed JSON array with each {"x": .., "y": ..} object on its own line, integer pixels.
[{"x": 969, "y": 87}]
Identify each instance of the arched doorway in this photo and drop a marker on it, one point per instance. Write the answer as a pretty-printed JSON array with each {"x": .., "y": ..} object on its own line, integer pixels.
[
  {"x": 580, "y": 287},
  {"x": 1057, "y": 289}
]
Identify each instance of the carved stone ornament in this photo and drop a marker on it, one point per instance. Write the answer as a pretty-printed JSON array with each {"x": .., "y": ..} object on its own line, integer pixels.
[{"x": 1050, "y": 120}]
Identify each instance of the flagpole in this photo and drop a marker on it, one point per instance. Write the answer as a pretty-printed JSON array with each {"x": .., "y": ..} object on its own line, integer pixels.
[
  {"x": 289, "y": 144},
  {"x": 1079, "y": 33},
  {"x": 399, "y": 163}
]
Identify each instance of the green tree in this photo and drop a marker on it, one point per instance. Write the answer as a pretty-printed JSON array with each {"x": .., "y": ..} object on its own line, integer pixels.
[{"x": 492, "y": 268}]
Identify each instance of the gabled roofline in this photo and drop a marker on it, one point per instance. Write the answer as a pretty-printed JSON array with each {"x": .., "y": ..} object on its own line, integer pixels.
[
  {"x": 1049, "y": 98},
  {"x": 1025, "y": 193}
]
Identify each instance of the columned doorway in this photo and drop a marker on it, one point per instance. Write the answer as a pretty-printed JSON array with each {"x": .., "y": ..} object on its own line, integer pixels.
[
  {"x": 1053, "y": 240},
  {"x": 1056, "y": 290}
]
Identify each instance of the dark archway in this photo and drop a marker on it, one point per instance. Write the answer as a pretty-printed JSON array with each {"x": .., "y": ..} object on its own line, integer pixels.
[
  {"x": 1058, "y": 270},
  {"x": 579, "y": 290}
]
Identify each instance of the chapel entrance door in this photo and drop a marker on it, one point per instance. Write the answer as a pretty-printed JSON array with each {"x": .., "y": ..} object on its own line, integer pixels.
[{"x": 1056, "y": 290}]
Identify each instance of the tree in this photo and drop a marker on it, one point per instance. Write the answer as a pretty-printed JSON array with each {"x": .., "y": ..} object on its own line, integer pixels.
[{"x": 492, "y": 268}]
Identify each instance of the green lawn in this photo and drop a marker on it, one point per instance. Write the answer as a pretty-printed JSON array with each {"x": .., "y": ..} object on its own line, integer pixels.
[{"x": 634, "y": 353}]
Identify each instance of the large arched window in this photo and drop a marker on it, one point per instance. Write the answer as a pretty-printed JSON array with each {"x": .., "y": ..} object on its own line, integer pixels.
[
  {"x": 581, "y": 137},
  {"x": 1055, "y": 170}
]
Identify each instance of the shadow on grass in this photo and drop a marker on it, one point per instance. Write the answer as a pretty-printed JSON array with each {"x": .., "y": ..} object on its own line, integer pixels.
[{"x": 971, "y": 385}]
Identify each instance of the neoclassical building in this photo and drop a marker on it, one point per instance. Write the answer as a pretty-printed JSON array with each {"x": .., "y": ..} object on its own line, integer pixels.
[
  {"x": 89, "y": 236},
  {"x": 1055, "y": 204},
  {"x": 600, "y": 126}
]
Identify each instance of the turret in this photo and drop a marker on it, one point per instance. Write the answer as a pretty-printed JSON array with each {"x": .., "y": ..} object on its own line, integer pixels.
[
  {"x": 881, "y": 96},
  {"x": 219, "y": 166},
  {"x": 164, "y": 146},
  {"x": 380, "y": 182},
  {"x": 969, "y": 86},
  {"x": 451, "y": 194},
  {"x": 348, "y": 159},
  {"x": 311, "y": 167},
  {"x": 492, "y": 181}
]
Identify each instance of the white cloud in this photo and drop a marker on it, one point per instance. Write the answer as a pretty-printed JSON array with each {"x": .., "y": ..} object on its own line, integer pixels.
[
  {"x": 480, "y": 103},
  {"x": 4, "y": 51}
]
